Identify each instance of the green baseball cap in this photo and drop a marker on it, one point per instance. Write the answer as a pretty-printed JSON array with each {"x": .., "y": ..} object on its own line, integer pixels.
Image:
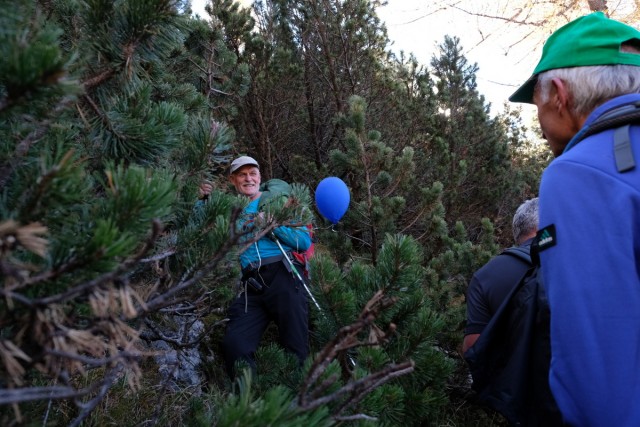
[{"x": 593, "y": 39}]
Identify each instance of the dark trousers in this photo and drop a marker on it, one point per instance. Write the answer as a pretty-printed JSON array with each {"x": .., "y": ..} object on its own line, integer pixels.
[{"x": 283, "y": 301}]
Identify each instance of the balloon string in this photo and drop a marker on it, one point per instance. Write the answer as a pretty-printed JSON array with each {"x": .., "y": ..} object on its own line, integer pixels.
[{"x": 329, "y": 227}]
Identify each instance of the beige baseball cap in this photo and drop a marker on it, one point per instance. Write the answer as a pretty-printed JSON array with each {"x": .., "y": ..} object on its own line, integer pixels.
[{"x": 243, "y": 161}]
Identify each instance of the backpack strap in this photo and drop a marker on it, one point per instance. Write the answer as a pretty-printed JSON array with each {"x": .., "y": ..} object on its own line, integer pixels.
[
  {"x": 622, "y": 149},
  {"x": 520, "y": 252},
  {"x": 618, "y": 118}
]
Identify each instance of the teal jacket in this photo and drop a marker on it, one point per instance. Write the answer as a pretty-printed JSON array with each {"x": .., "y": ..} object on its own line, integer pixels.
[{"x": 291, "y": 238}]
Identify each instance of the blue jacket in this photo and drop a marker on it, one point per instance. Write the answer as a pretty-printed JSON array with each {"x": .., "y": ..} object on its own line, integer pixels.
[
  {"x": 592, "y": 279},
  {"x": 292, "y": 239}
]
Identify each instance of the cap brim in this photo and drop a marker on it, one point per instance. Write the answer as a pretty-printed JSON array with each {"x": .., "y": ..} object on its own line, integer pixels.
[{"x": 525, "y": 92}]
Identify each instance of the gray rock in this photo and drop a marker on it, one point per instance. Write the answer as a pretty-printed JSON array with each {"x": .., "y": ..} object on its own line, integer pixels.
[{"x": 180, "y": 366}]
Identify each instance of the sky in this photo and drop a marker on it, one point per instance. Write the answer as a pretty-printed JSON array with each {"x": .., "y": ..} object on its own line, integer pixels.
[
  {"x": 504, "y": 55},
  {"x": 412, "y": 28}
]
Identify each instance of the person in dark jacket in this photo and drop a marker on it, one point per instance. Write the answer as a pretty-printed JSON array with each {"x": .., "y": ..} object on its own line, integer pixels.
[{"x": 491, "y": 284}]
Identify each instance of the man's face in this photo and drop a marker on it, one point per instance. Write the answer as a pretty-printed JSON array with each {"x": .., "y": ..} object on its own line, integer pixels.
[
  {"x": 246, "y": 180},
  {"x": 556, "y": 121}
]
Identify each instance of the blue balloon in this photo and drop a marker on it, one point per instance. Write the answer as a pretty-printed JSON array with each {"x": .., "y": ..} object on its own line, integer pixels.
[{"x": 332, "y": 198}]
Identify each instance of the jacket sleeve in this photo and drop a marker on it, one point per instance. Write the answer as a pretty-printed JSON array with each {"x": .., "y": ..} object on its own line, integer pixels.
[
  {"x": 295, "y": 238},
  {"x": 478, "y": 312}
]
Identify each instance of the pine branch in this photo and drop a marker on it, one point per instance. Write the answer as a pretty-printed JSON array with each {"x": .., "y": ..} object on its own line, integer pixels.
[
  {"x": 22, "y": 148},
  {"x": 345, "y": 339},
  {"x": 92, "y": 361},
  {"x": 165, "y": 299},
  {"x": 107, "y": 277},
  {"x": 311, "y": 396},
  {"x": 27, "y": 394},
  {"x": 44, "y": 182},
  {"x": 359, "y": 389}
]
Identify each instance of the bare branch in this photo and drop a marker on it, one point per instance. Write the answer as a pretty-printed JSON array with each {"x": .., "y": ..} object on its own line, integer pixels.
[
  {"x": 106, "y": 384},
  {"x": 56, "y": 392},
  {"x": 91, "y": 361},
  {"x": 159, "y": 257},
  {"x": 27, "y": 394}
]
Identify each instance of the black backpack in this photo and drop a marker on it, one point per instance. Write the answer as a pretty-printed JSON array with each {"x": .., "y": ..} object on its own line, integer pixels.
[{"x": 509, "y": 362}]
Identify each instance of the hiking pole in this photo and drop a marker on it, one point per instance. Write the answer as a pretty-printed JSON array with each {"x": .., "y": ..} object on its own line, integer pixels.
[{"x": 296, "y": 272}]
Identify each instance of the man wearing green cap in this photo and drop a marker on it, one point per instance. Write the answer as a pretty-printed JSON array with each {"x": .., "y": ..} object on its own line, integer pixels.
[{"x": 587, "y": 88}]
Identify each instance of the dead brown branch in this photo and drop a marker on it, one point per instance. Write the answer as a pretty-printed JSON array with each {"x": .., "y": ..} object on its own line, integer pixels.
[
  {"x": 110, "y": 276},
  {"x": 96, "y": 80}
]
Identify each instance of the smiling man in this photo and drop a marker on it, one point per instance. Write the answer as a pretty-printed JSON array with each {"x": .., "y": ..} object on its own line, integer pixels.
[
  {"x": 587, "y": 91},
  {"x": 270, "y": 292},
  {"x": 245, "y": 177}
]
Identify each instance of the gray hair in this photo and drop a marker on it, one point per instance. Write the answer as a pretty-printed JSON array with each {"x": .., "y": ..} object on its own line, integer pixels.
[
  {"x": 591, "y": 86},
  {"x": 525, "y": 220}
]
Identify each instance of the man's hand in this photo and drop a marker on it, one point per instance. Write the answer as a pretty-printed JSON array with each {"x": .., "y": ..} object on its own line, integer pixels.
[
  {"x": 204, "y": 190},
  {"x": 264, "y": 218}
]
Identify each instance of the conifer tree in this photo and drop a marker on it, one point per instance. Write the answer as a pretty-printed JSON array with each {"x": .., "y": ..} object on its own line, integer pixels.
[
  {"x": 105, "y": 140},
  {"x": 382, "y": 185},
  {"x": 102, "y": 150},
  {"x": 377, "y": 179},
  {"x": 472, "y": 151},
  {"x": 406, "y": 332},
  {"x": 309, "y": 57}
]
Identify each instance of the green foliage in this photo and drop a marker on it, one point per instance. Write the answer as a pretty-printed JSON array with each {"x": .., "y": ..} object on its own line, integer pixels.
[
  {"x": 400, "y": 274},
  {"x": 376, "y": 179},
  {"x": 34, "y": 64},
  {"x": 208, "y": 227},
  {"x": 92, "y": 196},
  {"x": 140, "y": 130},
  {"x": 131, "y": 192},
  {"x": 273, "y": 409}
]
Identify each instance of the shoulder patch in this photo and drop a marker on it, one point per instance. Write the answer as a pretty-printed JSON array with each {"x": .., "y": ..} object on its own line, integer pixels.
[{"x": 546, "y": 238}]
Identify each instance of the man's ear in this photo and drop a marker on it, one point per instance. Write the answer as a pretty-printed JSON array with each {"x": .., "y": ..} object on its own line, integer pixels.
[{"x": 560, "y": 94}]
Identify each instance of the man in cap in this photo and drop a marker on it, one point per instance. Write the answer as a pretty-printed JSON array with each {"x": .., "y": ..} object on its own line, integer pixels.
[
  {"x": 589, "y": 237},
  {"x": 270, "y": 290}
]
